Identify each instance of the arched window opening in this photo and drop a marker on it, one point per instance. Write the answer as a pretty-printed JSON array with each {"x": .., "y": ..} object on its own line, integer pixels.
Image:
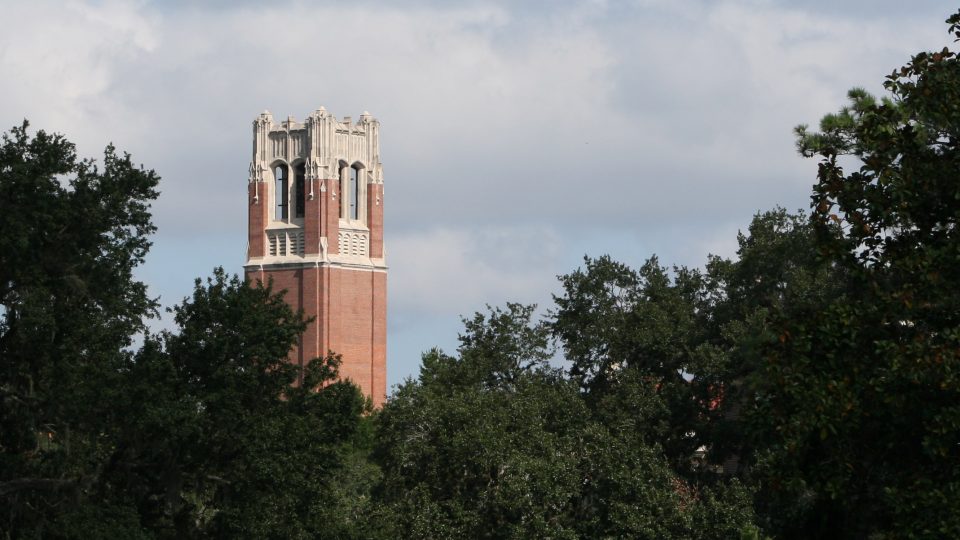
[
  {"x": 354, "y": 193},
  {"x": 300, "y": 186},
  {"x": 280, "y": 192}
]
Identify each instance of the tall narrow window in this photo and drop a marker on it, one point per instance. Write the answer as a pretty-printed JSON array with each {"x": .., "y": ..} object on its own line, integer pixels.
[
  {"x": 343, "y": 172},
  {"x": 300, "y": 186},
  {"x": 354, "y": 193},
  {"x": 280, "y": 192}
]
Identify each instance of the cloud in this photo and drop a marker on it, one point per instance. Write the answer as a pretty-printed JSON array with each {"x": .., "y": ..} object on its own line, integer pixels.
[
  {"x": 515, "y": 138},
  {"x": 454, "y": 270},
  {"x": 61, "y": 61}
]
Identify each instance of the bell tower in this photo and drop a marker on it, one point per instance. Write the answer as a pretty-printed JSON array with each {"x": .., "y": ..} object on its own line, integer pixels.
[{"x": 315, "y": 200}]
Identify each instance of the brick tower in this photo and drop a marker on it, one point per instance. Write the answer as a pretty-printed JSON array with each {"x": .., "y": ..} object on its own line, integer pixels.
[{"x": 316, "y": 228}]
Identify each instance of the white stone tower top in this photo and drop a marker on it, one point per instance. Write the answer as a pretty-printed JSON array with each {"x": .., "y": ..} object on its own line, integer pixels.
[
  {"x": 316, "y": 191},
  {"x": 321, "y": 141}
]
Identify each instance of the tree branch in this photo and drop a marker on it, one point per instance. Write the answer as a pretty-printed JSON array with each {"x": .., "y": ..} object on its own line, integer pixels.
[{"x": 44, "y": 484}]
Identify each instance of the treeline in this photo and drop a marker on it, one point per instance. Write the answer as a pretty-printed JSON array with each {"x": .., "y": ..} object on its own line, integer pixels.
[{"x": 808, "y": 388}]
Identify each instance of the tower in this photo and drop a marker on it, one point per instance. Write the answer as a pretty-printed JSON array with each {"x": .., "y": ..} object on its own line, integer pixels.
[{"x": 316, "y": 228}]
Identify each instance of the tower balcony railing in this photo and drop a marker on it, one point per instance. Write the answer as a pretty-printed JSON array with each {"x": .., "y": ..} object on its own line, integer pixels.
[
  {"x": 285, "y": 242},
  {"x": 354, "y": 242}
]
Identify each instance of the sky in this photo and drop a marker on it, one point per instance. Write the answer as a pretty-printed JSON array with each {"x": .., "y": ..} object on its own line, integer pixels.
[{"x": 516, "y": 137}]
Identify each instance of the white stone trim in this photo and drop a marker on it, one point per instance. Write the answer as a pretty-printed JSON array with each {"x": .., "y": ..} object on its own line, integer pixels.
[
  {"x": 321, "y": 140},
  {"x": 262, "y": 264}
]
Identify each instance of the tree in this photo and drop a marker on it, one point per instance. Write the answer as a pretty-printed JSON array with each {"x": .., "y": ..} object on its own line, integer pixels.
[
  {"x": 777, "y": 272},
  {"x": 635, "y": 340},
  {"x": 200, "y": 432},
  {"x": 479, "y": 445},
  {"x": 497, "y": 443},
  {"x": 862, "y": 417},
  {"x": 72, "y": 235},
  {"x": 226, "y": 443}
]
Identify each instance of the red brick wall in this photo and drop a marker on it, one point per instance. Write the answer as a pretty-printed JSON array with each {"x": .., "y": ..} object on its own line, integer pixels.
[
  {"x": 311, "y": 218},
  {"x": 292, "y": 282},
  {"x": 378, "y": 355},
  {"x": 375, "y": 219},
  {"x": 350, "y": 318},
  {"x": 257, "y": 214},
  {"x": 356, "y": 323}
]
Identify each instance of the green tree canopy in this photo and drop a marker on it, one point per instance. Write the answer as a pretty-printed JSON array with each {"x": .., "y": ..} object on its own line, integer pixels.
[
  {"x": 72, "y": 234},
  {"x": 497, "y": 443},
  {"x": 861, "y": 419},
  {"x": 222, "y": 441},
  {"x": 201, "y": 431}
]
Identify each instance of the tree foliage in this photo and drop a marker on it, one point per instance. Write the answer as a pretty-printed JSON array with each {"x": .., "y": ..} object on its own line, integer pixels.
[
  {"x": 72, "y": 235},
  {"x": 228, "y": 444},
  {"x": 861, "y": 418},
  {"x": 497, "y": 443},
  {"x": 201, "y": 431}
]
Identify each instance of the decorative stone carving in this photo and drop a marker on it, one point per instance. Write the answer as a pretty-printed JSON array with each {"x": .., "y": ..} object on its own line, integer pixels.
[
  {"x": 285, "y": 243},
  {"x": 354, "y": 242}
]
